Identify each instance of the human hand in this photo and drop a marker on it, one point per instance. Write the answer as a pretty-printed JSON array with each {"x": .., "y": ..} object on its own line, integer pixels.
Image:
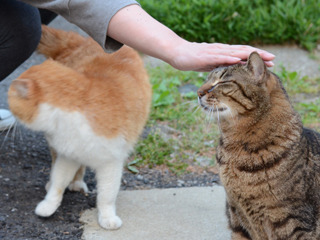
[{"x": 205, "y": 57}]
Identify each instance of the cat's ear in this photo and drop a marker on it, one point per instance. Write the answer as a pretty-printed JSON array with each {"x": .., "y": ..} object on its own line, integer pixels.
[
  {"x": 256, "y": 66},
  {"x": 22, "y": 87}
]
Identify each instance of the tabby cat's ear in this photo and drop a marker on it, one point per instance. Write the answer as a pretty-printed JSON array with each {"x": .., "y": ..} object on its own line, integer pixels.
[
  {"x": 256, "y": 66},
  {"x": 22, "y": 87}
]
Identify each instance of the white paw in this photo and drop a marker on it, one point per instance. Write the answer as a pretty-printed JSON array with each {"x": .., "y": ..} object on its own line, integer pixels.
[
  {"x": 46, "y": 208},
  {"x": 78, "y": 186},
  {"x": 110, "y": 223}
]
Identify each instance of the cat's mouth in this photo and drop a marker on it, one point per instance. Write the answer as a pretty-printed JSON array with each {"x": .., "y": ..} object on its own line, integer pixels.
[{"x": 213, "y": 108}]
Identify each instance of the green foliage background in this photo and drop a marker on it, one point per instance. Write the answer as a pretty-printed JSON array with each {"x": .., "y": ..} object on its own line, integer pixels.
[{"x": 240, "y": 21}]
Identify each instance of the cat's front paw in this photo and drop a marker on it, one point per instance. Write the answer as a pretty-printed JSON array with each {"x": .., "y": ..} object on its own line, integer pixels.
[
  {"x": 78, "y": 186},
  {"x": 110, "y": 223},
  {"x": 46, "y": 208}
]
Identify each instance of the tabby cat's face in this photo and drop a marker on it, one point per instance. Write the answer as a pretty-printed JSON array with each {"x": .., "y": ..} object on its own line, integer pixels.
[{"x": 237, "y": 91}]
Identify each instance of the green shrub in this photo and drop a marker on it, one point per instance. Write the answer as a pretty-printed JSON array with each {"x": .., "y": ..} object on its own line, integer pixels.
[{"x": 240, "y": 21}]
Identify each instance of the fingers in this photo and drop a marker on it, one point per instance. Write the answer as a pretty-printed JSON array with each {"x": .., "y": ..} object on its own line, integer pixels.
[
  {"x": 213, "y": 61},
  {"x": 269, "y": 64},
  {"x": 223, "y": 60},
  {"x": 264, "y": 54},
  {"x": 240, "y": 51}
]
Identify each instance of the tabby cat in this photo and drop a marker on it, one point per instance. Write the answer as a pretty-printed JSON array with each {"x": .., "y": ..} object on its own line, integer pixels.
[
  {"x": 269, "y": 164},
  {"x": 91, "y": 106}
]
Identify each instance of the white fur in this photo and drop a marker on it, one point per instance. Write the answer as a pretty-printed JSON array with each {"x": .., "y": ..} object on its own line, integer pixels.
[{"x": 71, "y": 135}]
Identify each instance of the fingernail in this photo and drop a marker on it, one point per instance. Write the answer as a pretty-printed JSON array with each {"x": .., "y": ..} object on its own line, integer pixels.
[
  {"x": 270, "y": 64},
  {"x": 269, "y": 55}
]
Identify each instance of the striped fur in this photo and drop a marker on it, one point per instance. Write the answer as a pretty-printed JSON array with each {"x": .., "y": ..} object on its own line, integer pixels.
[{"x": 269, "y": 163}]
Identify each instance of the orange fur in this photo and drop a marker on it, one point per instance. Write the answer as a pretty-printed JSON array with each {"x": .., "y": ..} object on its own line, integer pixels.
[
  {"x": 111, "y": 90},
  {"x": 91, "y": 106}
]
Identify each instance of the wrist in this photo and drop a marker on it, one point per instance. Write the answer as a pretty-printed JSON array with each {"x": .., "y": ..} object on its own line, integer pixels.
[{"x": 172, "y": 50}]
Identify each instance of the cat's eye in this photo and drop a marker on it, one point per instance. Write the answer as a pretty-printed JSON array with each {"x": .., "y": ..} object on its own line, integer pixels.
[{"x": 211, "y": 89}]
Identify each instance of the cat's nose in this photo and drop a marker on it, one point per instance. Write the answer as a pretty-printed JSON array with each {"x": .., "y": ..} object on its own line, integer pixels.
[{"x": 201, "y": 93}]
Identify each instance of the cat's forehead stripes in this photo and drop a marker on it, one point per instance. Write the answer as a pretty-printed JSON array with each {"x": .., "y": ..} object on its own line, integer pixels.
[{"x": 217, "y": 74}]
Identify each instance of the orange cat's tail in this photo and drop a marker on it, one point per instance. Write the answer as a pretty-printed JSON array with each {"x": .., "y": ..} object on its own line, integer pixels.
[{"x": 54, "y": 42}]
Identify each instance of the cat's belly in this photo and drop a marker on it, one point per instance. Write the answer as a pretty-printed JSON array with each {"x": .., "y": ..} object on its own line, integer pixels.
[
  {"x": 92, "y": 152},
  {"x": 71, "y": 135}
]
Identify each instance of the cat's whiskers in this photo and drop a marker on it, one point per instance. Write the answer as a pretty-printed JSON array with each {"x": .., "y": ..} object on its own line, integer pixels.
[
  {"x": 193, "y": 106},
  {"x": 211, "y": 113},
  {"x": 7, "y": 134},
  {"x": 191, "y": 102},
  {"x": 219, "y": 126},
  {"x": 14, "y": 130},
  {"x": 209, "y": 116},
  {"x": 17, "y": 132},
  {"x": 228, "y": 111},
  {"x": 18, "y": 129},
  {"x": 207, "y": 112},
  {"x": 206, "y": 118},
  {"x": 196, "y": 109}
]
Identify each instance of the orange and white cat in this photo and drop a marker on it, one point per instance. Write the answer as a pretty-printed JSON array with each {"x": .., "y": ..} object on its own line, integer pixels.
[{"x": 91, "y": 106}]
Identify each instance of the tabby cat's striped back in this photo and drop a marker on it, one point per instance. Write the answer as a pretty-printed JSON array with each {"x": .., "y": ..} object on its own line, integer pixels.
[{"x": 269, "y": 164}]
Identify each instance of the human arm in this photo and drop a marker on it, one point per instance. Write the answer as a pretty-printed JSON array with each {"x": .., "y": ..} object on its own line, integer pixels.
[
  {"x": 111, "y": 23},
  {"x": 134, "y": 27}
]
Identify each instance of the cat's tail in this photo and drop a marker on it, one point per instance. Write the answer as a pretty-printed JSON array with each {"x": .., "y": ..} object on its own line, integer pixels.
[{"x": 55, "y": 42}]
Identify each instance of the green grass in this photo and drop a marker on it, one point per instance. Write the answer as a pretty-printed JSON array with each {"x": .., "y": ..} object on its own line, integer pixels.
[
  {"x": 240, "y": 21},
  {"x": 310, "y": 113},
  {"x": 191, "y": 136},
  {"x": 295, "y": 84},
  {"x": 304, "y": 93}
]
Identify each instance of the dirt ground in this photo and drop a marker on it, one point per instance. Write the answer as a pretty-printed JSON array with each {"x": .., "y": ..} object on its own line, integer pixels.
[{"x": 24, "y": 170}]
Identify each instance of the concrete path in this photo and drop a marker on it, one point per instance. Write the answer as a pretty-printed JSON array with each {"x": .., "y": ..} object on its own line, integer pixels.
[
  {"x": 165, "y": 214},
  {"x": 294, "y": 59}
]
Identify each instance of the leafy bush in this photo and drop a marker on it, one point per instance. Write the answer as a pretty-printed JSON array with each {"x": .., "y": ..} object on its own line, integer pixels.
[{"x": 240, "y": 21}]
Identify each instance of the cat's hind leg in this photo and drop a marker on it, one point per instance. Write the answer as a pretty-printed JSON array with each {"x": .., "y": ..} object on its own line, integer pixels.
[
  {"x": 78, "y": 184},
  {"x": 108, "y": 184},
  {"x": 62, "y": 173}
]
